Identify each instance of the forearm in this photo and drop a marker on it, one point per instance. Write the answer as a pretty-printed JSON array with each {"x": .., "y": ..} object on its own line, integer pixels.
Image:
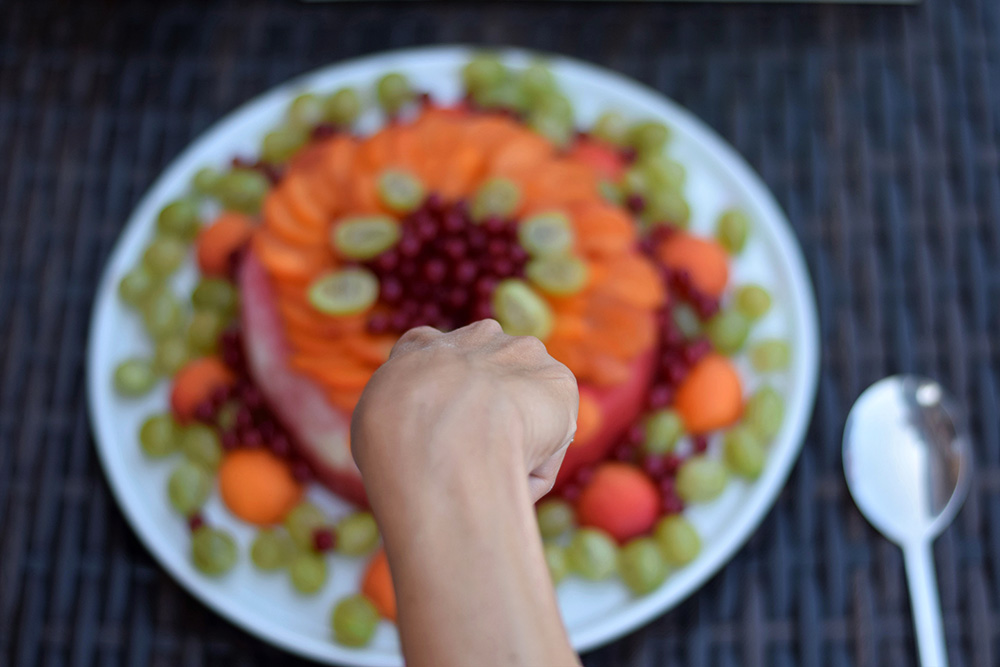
[{"x": 471, "y": 581}]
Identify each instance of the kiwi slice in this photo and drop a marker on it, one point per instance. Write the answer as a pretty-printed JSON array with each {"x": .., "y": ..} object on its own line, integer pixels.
[
  {"x": 345, "y": 292},
  {"x": 365, "y": 237},
  {"x": 546, "y": 234},
  {"x": 520, "y": 310},
  {"x": 559, "y": 276}
]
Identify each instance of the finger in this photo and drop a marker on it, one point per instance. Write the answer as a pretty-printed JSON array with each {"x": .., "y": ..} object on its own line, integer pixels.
[
  {"x": 542, "y": 478},
  {"x": 414, "y": 339}
]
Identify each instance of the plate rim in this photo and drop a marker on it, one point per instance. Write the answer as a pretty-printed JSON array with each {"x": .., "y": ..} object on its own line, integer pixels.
[{"x": 594, "y": 633}]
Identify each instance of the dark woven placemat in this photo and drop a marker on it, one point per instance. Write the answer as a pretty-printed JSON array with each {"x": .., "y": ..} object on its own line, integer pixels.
[{"x": 876, "y": 128}]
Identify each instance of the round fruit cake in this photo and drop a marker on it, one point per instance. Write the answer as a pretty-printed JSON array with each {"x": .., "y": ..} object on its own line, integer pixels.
[{"x": 331, "y": 245}]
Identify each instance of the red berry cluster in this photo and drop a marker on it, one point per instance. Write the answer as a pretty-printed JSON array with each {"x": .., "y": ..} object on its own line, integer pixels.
[
  {"x": 444, "y": 269},
  {"x": 273, "y": 172},
  {"x": 242, "y": 416}
]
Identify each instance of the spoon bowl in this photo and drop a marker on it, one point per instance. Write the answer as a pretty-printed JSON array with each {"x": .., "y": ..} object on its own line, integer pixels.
[{"x": 908, "y": 465}]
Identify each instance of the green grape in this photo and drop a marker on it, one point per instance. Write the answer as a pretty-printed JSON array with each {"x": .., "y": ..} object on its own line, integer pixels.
[
  {"x": 661, "y": 172},
  {"x": 216, "y": 294},
  {"x": 201, "y": 445},
  {"x": 558, "y": 276},
  {"x": 557, "y": 130},
  {"x": 134, "y": 377},
  {"x": 764, "y": 413},
  {"x": 663, "y": 429},
  {"x": 188, "y": 487},
  {"x": 772, "y": 355},
  {"x": 158, "y": 436},
  {"x": 555, "y": 517},
  {"x": 727, "y": 330},
  {"x": 272, "y": 549},
  {"x": 393, "y": 90},
  {"x": 164, "y": 256},
  {"x": 592, "y": 554},
  {"x": 302, "y": 522},
  {"x": 343, "y": 107},
  {"x": 483, "y": 71},
  {"x": 547, "y": 234},
  {"x": 400, "y": 190},
  {"x": 206, "y": 180},
  {"x": 306, "y": 111},
  {"x": 357, "y": 534},
  {"x": 557, "y": 106},
  {"x": 243, "y": 190},
  {"x": 686, "y": 319},
  {"x": 611, "y": 192},
  {"x": 204, "y": 330},
  {"x": 537, "y": 81},
  {"x": 170, "y": 355},
  {"x": 365, "y": 236},
  {"x": 162, "y": 314},
  {"x": 678, "y": 540},
  {"x": 611, "y": 127},
  {"x": 344, "y": 292},
  {"x": 505, "y": 95},
  {"x": 179, "y": 219},
  {"x": 648, "y": 137},
  {"x": 642, "y": 566},
  {"x": 280, "y": 145},
  {"x": 498, "y": 197},
  {"x": 743, "y": 452},
  {"x": 555, "y": 558},
  {"x": 354, "y": 621},
  {"x": 753, "y": 301},
  {"x": 731, "y": 230},
  {"x": 213, "y": 551},
  {"x": 520, "y": 311},
  {"x": 701, "y": 479},
  {"x": 667, "y": 206},
  {"x": 308, "y": 572},
  {"x": 136, "y": 285}
]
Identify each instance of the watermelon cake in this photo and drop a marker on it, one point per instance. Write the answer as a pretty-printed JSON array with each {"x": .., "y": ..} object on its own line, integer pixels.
[{"x": 318, "y": 254}]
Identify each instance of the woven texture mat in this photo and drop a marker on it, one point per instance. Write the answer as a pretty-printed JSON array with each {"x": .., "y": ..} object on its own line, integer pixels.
[{"x": 876, "y": 128}]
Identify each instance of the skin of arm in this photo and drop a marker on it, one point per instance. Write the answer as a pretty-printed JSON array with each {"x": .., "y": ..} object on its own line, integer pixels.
[{"x": 456, "y": 436}]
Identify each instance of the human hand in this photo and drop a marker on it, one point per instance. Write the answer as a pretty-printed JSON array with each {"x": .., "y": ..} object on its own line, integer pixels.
[{"x": 470, "y": 400}]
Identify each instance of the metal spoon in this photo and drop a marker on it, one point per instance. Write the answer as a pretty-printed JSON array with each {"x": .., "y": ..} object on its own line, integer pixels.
[{"x": 908, "y": 465}]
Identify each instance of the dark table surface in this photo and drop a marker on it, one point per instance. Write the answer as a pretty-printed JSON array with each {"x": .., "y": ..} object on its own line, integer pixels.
[{"x": 876, "y": 128}]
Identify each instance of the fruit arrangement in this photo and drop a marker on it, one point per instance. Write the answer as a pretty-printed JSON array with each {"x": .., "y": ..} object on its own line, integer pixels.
[{"x": 315, "y": 257}]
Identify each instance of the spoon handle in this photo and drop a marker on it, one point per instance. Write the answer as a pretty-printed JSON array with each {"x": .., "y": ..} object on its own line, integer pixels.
[{"x": 919, "y": 558}]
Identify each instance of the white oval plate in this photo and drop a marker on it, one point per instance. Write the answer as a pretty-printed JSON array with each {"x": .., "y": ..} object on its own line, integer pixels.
[{"x": 595, "y": 613}]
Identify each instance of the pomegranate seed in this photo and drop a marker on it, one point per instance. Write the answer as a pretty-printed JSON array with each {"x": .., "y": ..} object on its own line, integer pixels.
[
  {"x": 195, "y": 521},
  {"x": 660, "y": 396},
  {"x": 675, "y": 372},
  {"x": 629, "y": 155},
  {"x": 636, "y": 434},
  {"x": 497, "y": 248},
  {"x": 635, "y": 203},
  {"x": 409, "y": 247},
  {"x": 518, "y": 255},
  {"x": 667, "y": 485},
  {"x": 453, "y": 222},
  {"x": 583, "y": 476},
  {"x": 220, "y": 395},
  {"x": 457, "y": 297},
  {"x": 455, "y": 248},
  {"x": 671, "y": 463},
  {"x": 268, "y": 429},
  {"x": 323, "y": 539},
  {"x": 229, "y": 440},
  {"x": 252, "y": 439},
  {"x": 252, "y": 398},
  {"x": 655, "y": 466},
  {"x": 387, "y": 261},
  {"x": 280, "y": 445},
  {"x": 699, "y": 443},
  {"x": 435, "y": 271},
  {"x": 477, "y": 239},
  {"x": 205, "y": 411},
  {"x": 502, "y": 266},
  {"x": 301, "y": 471},
  {"x": 493, "y": 225},
  {"x": 696, "y": 350},
  {"x": 399, "y": 321},
  {"x": 482, "y": 311},
  {"x": 672, "y": 505},
  {"x": 571, "y": 493},
  {"x": 623, "y": 452},
  {"x": 323, "y": 131}
]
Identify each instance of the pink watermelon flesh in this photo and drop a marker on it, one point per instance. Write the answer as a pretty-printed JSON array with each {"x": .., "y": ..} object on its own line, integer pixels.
[{"x": 320, "y": 431}]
